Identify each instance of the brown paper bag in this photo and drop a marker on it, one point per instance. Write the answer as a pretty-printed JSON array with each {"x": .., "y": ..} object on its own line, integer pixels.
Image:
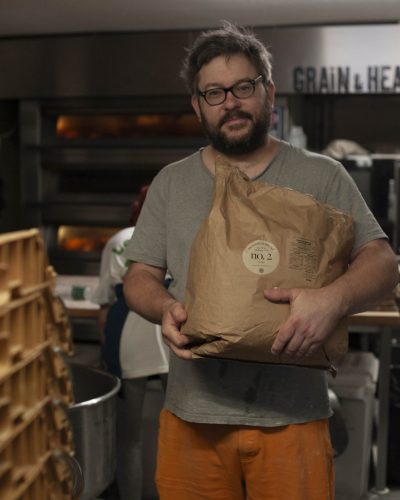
[{"x": 258, "y": 236}]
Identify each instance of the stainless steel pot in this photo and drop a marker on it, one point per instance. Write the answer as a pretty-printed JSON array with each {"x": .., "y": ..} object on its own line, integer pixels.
[{"x": 93, "y": 419}]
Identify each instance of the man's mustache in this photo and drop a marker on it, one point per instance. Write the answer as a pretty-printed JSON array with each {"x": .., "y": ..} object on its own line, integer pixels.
[{"x": 234, "y": 114}]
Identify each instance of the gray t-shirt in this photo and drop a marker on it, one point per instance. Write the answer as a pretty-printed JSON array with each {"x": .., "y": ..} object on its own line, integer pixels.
[{"x": 225, "y": 391}]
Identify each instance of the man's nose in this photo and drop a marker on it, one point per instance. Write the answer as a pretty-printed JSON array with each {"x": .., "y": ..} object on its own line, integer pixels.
[{"x": 231, "y": 101}]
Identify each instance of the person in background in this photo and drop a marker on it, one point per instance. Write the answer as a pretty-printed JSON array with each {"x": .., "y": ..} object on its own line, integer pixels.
[
  {"x": 233, "y": 430},
  {"x": 132, "y": 348}
]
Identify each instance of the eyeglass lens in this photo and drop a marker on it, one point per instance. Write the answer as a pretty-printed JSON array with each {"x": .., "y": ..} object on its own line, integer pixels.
[{"x": 240, "y": 90}]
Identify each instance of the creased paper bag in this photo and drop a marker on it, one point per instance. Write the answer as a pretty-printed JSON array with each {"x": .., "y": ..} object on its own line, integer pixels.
[{"x": 258, "y": 236}]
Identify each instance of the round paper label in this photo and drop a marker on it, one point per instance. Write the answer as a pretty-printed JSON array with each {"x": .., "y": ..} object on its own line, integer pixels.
[{"x": 261, "y": 257}]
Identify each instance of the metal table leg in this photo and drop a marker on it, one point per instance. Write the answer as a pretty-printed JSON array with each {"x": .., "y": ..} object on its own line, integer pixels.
[{"x": 383, "y": 418}]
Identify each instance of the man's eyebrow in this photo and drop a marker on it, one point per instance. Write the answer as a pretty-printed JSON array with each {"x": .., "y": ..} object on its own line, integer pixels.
[
  {"x": 216, "y": 85},
  {"x": 213, "y": 85}
]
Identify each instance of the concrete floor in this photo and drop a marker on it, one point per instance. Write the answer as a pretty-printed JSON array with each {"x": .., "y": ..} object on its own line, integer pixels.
[{"x": 394, "y": 494}]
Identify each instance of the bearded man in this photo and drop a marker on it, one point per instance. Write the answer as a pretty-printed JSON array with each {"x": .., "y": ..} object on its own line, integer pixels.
[{"x": 232, "y": 430}]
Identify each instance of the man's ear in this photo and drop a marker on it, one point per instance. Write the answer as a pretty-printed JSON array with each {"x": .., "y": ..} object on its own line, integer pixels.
[{"x": 196, "y": 106}]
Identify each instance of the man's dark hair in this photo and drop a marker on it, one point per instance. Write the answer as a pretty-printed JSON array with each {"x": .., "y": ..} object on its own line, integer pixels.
[{"x": 225, "y": 41}]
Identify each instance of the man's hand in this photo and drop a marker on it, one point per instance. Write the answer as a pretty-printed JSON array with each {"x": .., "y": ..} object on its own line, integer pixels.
[
  {"x": 146, "y": 294},
  {"x": 174, "y": 315},
  {"x": 314, "y": 313},
  {"x": 313, "y": 317}
]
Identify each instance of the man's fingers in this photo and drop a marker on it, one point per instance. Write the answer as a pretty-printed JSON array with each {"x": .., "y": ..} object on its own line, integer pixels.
[
  {"x": 283, "y": 337},
  {"x": 279, "y": 294},
  {"x": 177, "y": 342},
  {"x": 174, "y": 317},
  {"x": 298, "y": 346},
  {"x": 180, "y": 352},
  {"x": 178, "y": 313},
  {"x": 293, "y": 342},
  {"x": 295, "y": 346},
  {"x": 174, "y": 336},
  {"x": 299, "y": 349}
]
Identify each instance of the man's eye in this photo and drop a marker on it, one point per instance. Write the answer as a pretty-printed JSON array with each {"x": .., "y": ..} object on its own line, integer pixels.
[
  {"x": 243, "y": 87},
  {"x": 214, "y": 93}
]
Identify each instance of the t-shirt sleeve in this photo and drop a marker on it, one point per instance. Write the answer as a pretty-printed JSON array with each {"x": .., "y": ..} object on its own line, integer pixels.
[
  {"x": 342, "y": 192},
  {"x": 148, "y": 243}
]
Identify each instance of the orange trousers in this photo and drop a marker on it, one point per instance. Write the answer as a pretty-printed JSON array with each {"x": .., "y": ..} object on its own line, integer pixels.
[{"x": 229, "y": 462}]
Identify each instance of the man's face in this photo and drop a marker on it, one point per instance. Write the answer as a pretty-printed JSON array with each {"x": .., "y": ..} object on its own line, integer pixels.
[{"x": 237, "y": 126}]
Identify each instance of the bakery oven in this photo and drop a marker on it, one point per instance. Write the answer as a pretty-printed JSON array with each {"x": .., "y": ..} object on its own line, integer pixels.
[{"x": 84, "y": 162}]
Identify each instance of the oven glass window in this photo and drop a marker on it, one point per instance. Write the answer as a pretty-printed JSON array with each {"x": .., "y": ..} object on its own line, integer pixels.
[
  {"x": 84, "y": 239},
  {"x": 125, "y": 126}
]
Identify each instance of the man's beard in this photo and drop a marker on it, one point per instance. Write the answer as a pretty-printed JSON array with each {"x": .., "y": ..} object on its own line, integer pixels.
[{"x": 251, "y": 141}]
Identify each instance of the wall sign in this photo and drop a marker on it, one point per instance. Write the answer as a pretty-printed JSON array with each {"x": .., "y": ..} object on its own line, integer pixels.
[
  {"x": 344, "y": 80},
  {"x": 335, "y": 59}
]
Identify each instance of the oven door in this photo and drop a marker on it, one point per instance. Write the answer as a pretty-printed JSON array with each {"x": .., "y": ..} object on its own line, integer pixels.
[{"x": 84, "y": 162}]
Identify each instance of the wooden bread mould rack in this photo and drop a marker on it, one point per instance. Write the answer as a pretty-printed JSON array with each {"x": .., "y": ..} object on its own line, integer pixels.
[{"x": 36, "y": 444}]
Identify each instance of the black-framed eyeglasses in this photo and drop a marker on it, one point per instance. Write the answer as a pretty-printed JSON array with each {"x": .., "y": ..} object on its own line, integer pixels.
[{"x": 241, "y": 90}]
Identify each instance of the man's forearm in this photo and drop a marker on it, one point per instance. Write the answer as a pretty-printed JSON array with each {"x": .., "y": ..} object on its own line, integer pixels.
[
  {"x": 372, "y": 274},
  {"x": 145, "y": 292}
]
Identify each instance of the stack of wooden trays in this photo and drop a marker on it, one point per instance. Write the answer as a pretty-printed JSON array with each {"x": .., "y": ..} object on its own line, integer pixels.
[{"x": 36, "y": 442}]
